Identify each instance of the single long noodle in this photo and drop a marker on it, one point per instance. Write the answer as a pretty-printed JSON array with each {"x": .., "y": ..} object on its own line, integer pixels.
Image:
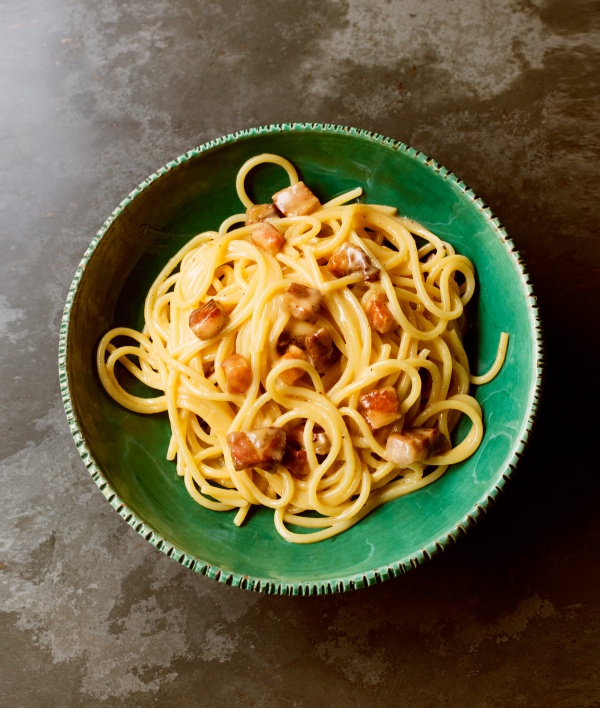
[{"x": 353, "y": 477}]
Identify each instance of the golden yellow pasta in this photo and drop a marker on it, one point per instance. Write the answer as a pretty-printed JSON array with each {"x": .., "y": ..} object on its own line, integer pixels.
[{"x": 310, "y": 358}]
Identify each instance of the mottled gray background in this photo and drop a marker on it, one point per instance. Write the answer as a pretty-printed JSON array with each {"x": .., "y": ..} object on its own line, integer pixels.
[{"x": 94, "y": 97}]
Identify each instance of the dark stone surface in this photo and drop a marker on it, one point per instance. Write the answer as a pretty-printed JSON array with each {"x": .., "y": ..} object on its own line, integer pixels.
[{"x": 95, "y": 96}]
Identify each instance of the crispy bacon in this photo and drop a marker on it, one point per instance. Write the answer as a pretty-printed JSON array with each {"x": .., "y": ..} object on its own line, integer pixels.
[
  {"x": 379, "y": 315},
  {"x": 296, "y": 200},
  {"x": 263, "y": 447},
  {"x": 348, "y": 259},
  {"x": 237, "y": 373},
  {"x": 319, "y": 347},
  {"x": 266, "y": 236},
  {"x": 415, "y": 445},
  {"x": 261, "y": 212},
  {"x": 290, "y": 376},
  {"x": 379, "y": 407},
  {"x": 208, "y": 320},
  {"x": 302, "y": 302}
]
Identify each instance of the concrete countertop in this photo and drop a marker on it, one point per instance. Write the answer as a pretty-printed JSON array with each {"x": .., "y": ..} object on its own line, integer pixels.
[{"x": 95, "y": 96}]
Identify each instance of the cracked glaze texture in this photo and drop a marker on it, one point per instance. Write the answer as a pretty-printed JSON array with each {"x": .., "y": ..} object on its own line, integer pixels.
[{"x": 95, "y": 97}]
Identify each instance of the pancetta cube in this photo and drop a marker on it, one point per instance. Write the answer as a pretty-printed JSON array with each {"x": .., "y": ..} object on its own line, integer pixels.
[
  {"x": 415, "y": 445},
  {"x": 263, "y": 447},
  {"x": 302, "y": 302},
  {"x": 266, "y": 236},
  {"x": 261, "y": 212},
  {"x": 379, "y": 314},
  {"x": 295, "y": 437},
  {"x": 208, "y": 320},
  {"x": 295, "y": 333},
  {"x": 238, "y": 373},
  {"x": 348, "y": 259},
  {"x": 296, "y": 200},
  {"x": 296, "y": 460},
  {"x": 315, "y": 341},
  {"x": 319, "y": 347},
  {"x": 379, "y": 407},
  {"x": 290, "y": 376}
]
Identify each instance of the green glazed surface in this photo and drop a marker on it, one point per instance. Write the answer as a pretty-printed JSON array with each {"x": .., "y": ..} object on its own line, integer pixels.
[{"x": 125, "y": 452}]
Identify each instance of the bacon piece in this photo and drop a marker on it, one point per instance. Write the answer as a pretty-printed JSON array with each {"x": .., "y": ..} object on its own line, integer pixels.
[
  {"x": 315, "y": 341},
  {"x": 296, "y": 460},
  {"x": 295, "y": 333},
  {"x": 208, "y": 320},
  {"x": 261, "y": 212},
  {"x": 296, "y": 200},
  {"x": 302, "y": 302},
  {"x": 295, "y": 436},
  {"x": 237, "y": 373},
  {"x": 266, "y": 236},
  {"x": 319, "y": 347},
  {"x": 290, "y": 376},
  {"x": 348, "y": 259},
  {"x": 295, "y": 457},
  {"x": 415, "y": 445},
  {"x": 379, "y": 315},
  {"x": 379, "y": 407},
  {"x": 263, "y": 447}
]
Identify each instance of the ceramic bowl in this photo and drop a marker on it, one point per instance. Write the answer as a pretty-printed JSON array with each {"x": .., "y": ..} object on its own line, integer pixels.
[{"x": 125, "y": 452}]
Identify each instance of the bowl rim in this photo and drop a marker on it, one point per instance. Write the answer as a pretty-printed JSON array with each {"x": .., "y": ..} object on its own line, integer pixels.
[{"x": 309, "y": 586}]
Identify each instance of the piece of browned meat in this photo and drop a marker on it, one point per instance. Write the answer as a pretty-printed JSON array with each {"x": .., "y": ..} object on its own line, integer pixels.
[
  {"x": 415, "y": 445},
  {"x": 315, "y": 341},
  {"x": 296, "y": 460},
  {"x": 208, "y": 320},
  {"x": 261, "y": 212},
  {"x": 319, "y": 347},
  {"x": 302, "y": 302},
  {"x": 296, "y": 200},
  {"x": 237, "y": 373},
  {"x": 295, "y": 436},
  {"x": 263, "y": 447},
  {"x": 295, "y": 457},
  {"x": 348, "y": 259},
  {"x": 379, "y": 407},
  {"x": 379, "y": 314},
  {"x": 296, "y": 333},
  {"x": 290, "y": 376},
  {"x": 266, "y": 236}
]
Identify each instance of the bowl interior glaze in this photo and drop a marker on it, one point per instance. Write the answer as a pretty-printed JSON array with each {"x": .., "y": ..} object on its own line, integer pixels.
[{"x": 125, "y": 452}]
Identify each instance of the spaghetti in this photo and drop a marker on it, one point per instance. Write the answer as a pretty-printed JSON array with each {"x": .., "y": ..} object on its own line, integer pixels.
[{"x": 310, "y": 358}]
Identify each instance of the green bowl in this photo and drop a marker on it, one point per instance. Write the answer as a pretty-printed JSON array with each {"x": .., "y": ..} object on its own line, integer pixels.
[{"x": 125, "y": 452}]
